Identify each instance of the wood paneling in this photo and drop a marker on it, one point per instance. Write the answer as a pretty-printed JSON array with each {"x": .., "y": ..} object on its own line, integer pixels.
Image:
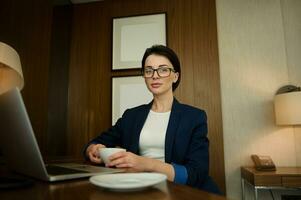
[
  {"x": 89, "y": 88},
  {"x": 59, "y": 80},
  {"x": 196, "y": 45},
  {"x": 26, "y": 25},
  {"x": 191, "y": 27}
]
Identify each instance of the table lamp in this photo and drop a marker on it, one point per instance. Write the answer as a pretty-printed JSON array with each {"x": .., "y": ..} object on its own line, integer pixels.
[
  {"x": 10, "y": 69},
  {"x": 11, "y": 76},
  {"x": 288, "y": 105}
]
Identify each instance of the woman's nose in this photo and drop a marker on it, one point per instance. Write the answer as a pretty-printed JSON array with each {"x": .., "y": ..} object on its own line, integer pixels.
[{"x": 156, "y": 75}]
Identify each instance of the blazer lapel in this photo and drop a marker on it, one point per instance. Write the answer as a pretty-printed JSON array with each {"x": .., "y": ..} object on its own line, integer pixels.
[
  {"x": 172, "y": 127},
  {"x": 140, "y": 120}
]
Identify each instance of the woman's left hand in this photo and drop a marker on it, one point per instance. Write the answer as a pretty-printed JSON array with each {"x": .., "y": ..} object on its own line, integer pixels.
[{"x": 131, "y": 162}]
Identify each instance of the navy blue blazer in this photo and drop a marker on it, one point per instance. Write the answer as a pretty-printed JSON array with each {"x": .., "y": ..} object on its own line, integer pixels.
[{"x": 186, "y": 143}]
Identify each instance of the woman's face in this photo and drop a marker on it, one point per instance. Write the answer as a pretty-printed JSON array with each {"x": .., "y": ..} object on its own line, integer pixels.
[{"x": 156, "y": 84}]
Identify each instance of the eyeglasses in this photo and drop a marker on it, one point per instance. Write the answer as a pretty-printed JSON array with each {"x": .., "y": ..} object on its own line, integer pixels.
[{"x": 148, "y": 72}]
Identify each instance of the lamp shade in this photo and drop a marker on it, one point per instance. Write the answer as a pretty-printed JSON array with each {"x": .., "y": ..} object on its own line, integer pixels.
[
  {"x": 10, "y": 68},
  {"x": 288, "y": 108}
]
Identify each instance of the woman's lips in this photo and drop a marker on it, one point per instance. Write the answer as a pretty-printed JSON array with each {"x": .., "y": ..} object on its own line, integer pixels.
[{"x": 156, "y": 85}]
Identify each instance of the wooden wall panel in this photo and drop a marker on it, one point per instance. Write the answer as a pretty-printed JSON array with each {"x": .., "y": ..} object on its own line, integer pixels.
[
  {"x": 89, "y": 110},
  {"x": 89, "y": 88},
  {"x": 59, "y": 80},
  {"x": 26, "y": 25},
  {"x": 79, "y": 74},
  {"x": 196, "y": 45},
  {"x": 191, "y": 27}
]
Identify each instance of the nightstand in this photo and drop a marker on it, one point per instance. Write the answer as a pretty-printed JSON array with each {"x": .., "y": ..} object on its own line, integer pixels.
[{"x": 282, "y": 178}]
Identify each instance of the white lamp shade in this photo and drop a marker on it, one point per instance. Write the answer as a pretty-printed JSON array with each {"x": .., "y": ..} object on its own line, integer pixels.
[
  {"x": 10, "y": 66},
  {"x": 288, "y": 108}
]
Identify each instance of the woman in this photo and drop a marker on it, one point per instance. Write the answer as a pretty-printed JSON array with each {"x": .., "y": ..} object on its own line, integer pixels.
[{"x": 164, "y": 136}]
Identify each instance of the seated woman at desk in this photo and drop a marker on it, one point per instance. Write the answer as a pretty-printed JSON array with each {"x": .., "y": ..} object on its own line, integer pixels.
[{"x": 163, "y": 136}]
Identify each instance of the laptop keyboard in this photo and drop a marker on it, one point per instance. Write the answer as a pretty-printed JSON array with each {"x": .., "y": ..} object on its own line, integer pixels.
[{"x": 57, "y": 170}]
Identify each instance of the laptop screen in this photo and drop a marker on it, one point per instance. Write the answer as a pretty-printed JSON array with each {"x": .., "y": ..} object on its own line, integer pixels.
[{"x": 17, "y": 139}]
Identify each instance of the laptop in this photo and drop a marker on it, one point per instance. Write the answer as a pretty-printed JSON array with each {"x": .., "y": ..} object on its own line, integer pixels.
[{"x": 20, "y": 148}]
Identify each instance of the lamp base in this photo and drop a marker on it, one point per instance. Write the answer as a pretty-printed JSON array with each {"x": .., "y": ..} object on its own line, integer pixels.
[{"x": 7, "y": 182}]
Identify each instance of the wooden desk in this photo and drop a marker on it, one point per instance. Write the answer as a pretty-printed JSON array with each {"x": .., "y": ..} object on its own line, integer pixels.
[
  {"x": 282, "y": 178},
  {"x": 83, "y": 189}
]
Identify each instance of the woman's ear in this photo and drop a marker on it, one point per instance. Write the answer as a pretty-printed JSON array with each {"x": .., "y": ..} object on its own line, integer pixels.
[{"x": 176, "y": 77}]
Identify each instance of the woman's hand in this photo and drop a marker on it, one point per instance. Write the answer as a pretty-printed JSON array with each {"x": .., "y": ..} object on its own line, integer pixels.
[
  {"x": 93, "y": 152},
  {"x": 131, "y": 162},
  {"x": 134, "y": 163}
]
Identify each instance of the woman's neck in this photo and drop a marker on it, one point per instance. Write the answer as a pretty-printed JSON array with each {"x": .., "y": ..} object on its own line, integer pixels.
[{"x": 162, "y": 103}]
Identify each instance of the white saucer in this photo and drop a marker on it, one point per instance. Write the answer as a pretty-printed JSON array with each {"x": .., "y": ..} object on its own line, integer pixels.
[{"x": 127, "y": 181}]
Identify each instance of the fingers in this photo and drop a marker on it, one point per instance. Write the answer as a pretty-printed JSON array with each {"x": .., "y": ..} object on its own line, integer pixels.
[
  {"x": 126, "y": 160},
  {"x": 120, "y": 159},
  {"x": 118, "y": 155},
  {"x": 94, "y": 158},
  {"x": 93, "y": 152},
  {"x": 124, "y": 165}
]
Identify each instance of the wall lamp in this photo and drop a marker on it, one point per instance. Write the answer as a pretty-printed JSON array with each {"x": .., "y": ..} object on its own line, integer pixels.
[{"x": 287, "y": 104}]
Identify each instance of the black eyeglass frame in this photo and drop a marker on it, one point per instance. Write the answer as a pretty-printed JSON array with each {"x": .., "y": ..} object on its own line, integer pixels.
[{"x": 156, "y": 70}]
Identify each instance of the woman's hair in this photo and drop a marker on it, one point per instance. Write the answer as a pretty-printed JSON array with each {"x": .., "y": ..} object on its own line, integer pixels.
[{"x": 167, "y": 53}]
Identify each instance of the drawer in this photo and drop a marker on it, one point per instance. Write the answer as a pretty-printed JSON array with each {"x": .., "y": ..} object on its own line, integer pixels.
[
  {"x": 291, "y": 181},
  {"x": 268, "y": 181}
]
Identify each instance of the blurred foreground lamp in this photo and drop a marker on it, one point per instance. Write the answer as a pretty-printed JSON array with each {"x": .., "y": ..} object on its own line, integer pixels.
[
  {"x": 288, "y": 105},
  {"x": 11, "y": 75}
]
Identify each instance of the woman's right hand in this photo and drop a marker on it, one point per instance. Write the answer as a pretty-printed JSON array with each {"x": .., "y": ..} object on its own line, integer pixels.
[{"x": 93, "y": 152}]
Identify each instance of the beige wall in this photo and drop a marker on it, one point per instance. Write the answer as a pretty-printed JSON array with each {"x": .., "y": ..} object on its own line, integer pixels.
[
  {"x": 291, "y": 10},
  {"x": 259, "y": 49}
]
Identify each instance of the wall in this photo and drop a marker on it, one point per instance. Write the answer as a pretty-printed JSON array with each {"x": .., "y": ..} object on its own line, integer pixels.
[
  {"x": 26, "y": 26},
  {"x": 191, "y": 29},
  {"x": 292, "y": 30},
  {"x": 258, "y": 54},
  {"x": 59, "y": 80}
]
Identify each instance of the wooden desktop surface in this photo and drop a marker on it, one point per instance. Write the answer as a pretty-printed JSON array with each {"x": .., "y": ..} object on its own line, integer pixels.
[
  {"x": 282, "y": 177},
  {"x": 83, "y": 189}
]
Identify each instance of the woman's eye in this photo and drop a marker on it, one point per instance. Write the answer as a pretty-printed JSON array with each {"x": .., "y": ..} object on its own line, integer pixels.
[{"x": 163, "y": 69}]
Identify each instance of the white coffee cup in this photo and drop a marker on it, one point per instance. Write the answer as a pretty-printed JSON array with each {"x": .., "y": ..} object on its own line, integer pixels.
[{"x": 105, "y": 153}]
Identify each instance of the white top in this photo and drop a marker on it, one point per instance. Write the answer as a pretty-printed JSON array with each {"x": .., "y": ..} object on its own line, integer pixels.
[{"x": 152, "y": 136}]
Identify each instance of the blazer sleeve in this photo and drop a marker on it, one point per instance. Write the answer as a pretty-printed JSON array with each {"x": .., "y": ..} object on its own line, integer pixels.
[
  {"x": 191, "y": 153},
  {"x": 197, "y": 156},
  {"x": 111, "y": 137}
]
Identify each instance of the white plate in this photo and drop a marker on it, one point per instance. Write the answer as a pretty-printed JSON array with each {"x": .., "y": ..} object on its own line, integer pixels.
[{"x": 127, "y": 181}]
